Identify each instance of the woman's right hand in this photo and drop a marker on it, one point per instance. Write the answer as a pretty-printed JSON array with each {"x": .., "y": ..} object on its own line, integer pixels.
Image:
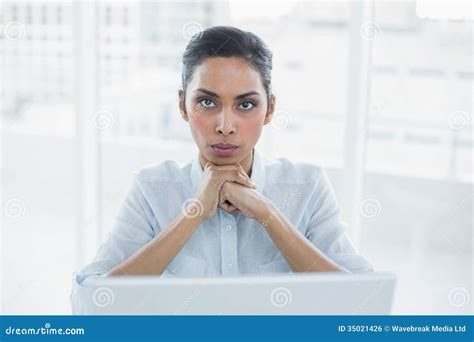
[{"x": 213, "y": 178}]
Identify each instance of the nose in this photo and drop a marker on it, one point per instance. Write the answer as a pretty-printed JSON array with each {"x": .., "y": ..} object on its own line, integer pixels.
[{"x": 225, "y": 124}]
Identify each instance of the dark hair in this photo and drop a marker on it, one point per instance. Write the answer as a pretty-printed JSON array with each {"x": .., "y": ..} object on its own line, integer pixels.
[{"x": 226, "y": 41}]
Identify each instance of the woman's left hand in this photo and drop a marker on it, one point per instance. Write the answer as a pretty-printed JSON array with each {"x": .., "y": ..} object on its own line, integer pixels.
[{"x": 235, "y": 197}]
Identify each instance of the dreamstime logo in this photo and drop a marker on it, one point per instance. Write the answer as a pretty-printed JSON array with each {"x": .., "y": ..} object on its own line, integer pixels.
[
  {"x": 370, "y": 208},
  {"x": 103, "y": 119},
  {"x": 379, "y": 108},
  {"x": 282, "y": 207},
  {"x": 369, "y": 30},
  {"x": 458, "y": 297},
  {"x": 459, "y": 120},
  {"x": 14, "y": 30},
  {"x": 280, "y": 297},
  {"x": 359, "y": 309},
  {"x": 104, "y": 33},
  {"x": 186, "y": 304},
  {"x": 192, "y": 28},
  {"x": 450, "y": 216},
  {"x": 14, "y": 208},
  {"x": 192, "y": 207},
  {"x": 461, "y": 30},
  {"x": 281, "y": 120},
  {"x": 103, "y": 296},
  {"x": 197, "y": 114}
]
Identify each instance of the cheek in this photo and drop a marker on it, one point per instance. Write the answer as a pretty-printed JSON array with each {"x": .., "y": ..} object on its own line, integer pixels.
[
  {"x": 196, "y": 117},
  {"x": 199, "y": 121},
  {"x": 252, "y": 127},
  {"x": 200, "y": 126}
]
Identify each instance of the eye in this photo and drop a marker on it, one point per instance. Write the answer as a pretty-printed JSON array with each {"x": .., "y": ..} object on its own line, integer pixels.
[
  {"x": 247, "y": 105},
  {"x": 207, "y": 103}
]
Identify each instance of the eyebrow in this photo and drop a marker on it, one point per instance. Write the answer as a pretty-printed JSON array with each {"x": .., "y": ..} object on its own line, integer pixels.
[{"x": 238, "y": 97}]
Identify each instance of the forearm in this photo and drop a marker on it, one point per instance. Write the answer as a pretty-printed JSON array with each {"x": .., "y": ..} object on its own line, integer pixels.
[
  {"x": 155, "y": 256},
  {"x": 301, "y": 254}
]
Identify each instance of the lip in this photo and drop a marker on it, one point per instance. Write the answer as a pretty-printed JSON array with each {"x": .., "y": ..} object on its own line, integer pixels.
[{"x": 224, "y": 150}]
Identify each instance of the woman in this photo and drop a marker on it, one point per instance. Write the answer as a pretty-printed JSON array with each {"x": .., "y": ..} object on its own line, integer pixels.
[{"x": 230, "y": 211}]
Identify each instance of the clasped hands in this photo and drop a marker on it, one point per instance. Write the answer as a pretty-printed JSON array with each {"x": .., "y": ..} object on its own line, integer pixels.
[{"x": 228, "y": 187}]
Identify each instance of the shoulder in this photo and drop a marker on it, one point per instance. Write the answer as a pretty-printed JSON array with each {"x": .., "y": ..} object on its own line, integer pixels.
[{"x": 283, "y": 170}]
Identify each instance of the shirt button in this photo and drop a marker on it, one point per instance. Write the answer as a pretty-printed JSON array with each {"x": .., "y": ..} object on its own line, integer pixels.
[
  {"x": 228, "y": 227},
  {"x": 229, "y": 266}
]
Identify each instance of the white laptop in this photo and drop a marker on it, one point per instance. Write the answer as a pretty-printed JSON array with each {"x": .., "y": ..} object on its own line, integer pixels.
[{"x": 292, "y": 294}]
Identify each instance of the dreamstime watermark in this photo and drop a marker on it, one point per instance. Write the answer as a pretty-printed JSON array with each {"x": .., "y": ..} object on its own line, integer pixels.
[
  {"x": 281, "y": 120},
  {"x": 280, "y": 297},
  {"x": 371, "y": 295},
  {"x": 459, "y": 120},
  {"x": 103, "y": 119},
  {"x": 46, "y": 330},
  {"x": 379, "y": 108},
  {"x": 192, "y": 29},
  {"x": 197, "y": 114},
  {"x": 192, "y": 207},
  {"x": 370, "y": 208},
  {"x": 455, "y": 31},
  {"x": 288, "y": 200},
  {"x": 14, "y": 208},
  {"x": 105, "y": 33},
  {"x": 14, "y": 30},
  {"x": 449, "y": 217},
  {"x": 102, "y": 297},
  {"x": 369, "y": 30},
  {"x": 190, "y": 298},
  {"x": 458, "y": 297}
]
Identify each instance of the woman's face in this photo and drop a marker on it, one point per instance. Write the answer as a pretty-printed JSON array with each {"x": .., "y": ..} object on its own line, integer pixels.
[{"x": 226, "y": 106}]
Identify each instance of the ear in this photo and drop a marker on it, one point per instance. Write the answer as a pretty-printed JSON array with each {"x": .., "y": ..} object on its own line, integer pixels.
[
  {"x": 182, "y": 105},
  {"x": 270, "y": 110}
]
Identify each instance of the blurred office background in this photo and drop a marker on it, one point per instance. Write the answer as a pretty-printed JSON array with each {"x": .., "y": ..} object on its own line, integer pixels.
[{"x": 379, "y": 93}]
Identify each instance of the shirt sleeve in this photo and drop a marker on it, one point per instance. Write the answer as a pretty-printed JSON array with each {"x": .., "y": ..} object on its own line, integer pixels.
[
  {"x": 134, "y": 226},
  {"x": 327, "y": 231}
]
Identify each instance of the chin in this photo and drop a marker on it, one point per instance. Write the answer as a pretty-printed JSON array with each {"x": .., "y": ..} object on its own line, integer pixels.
[{"x": 223, "y": 160}]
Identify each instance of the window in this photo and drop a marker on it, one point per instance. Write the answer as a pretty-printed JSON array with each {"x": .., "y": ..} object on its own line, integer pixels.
[
  {"x": 414, "y": 103},
  {"x": 44, "y": 15}
]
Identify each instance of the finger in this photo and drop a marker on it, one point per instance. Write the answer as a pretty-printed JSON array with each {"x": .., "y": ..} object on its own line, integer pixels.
[
  {"x": 231, "y": 167},
  {"x": 225, "y": 204},
  {"x": 242, "y": 169},
  {"x": 208, "y": 165},
  {"x": 224, "y": 201},
  {"x": 237, "y": 177},
  {"x": 227, "y": 207},
  {"x": 235, "y": 168},
  {"x": 233, "y": 209}
]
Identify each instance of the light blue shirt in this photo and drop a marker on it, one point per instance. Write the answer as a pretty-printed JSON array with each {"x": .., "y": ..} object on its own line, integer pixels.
[{"x": 226, "y": 244}]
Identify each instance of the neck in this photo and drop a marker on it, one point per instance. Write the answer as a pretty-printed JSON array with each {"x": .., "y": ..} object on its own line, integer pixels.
[{"x": 246, "y": 163}]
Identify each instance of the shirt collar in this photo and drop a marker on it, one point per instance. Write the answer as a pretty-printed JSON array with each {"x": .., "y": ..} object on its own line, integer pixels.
[{"x": 258, "y": 172}]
